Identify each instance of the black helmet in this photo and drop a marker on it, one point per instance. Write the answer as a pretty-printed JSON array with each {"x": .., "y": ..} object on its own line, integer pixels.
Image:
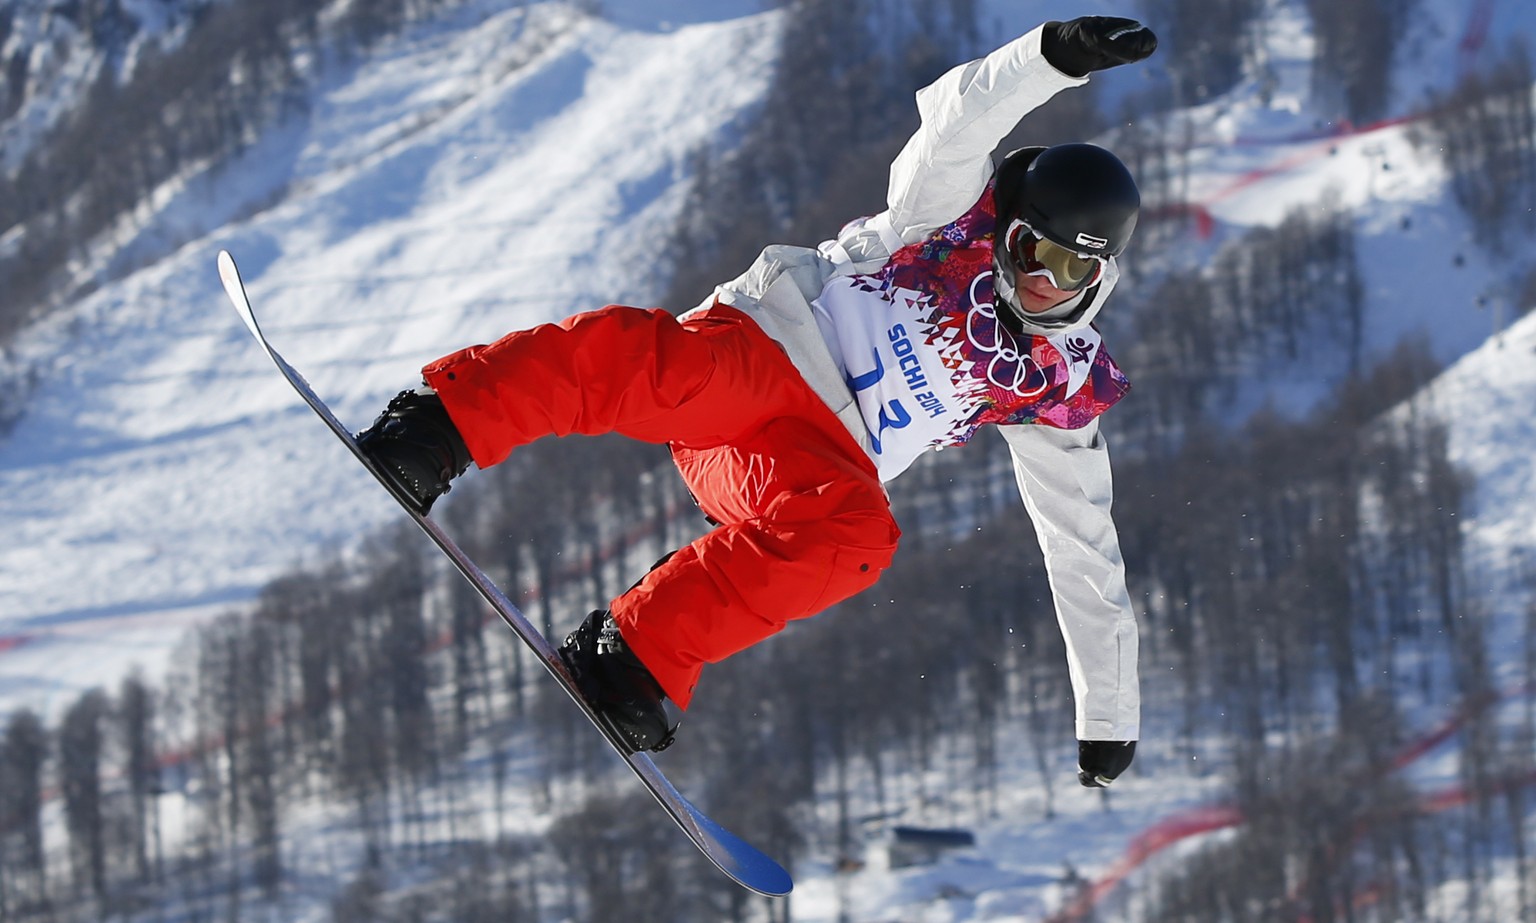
[{"x": 1077, "y": 195}]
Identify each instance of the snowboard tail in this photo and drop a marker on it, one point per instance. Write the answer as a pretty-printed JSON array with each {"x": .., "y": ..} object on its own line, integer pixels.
[{"x": 735, "y": 857}]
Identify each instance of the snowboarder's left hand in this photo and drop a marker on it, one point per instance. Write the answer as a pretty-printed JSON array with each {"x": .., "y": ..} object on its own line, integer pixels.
[
  {"x": 1094, "y": 43},
  {"x": 1100, "y": 762}
]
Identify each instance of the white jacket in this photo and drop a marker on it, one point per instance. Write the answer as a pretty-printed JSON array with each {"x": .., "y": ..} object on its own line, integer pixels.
[{"x": 1063, "y": 475}]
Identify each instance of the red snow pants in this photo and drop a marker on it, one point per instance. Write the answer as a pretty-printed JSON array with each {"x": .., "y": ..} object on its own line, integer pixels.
[{"x": 804, "y": 520}]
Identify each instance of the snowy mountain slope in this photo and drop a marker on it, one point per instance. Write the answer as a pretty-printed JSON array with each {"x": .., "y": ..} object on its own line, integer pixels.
[
  {"x": 1488, "y": 402},
  {"x": 462, "y": 181},
  {"x": 1253, "y": 162},
  {"x": 494, "y": 168},
  {"x": 442, "y": 194},
  {"x": 52, "y": 57}
]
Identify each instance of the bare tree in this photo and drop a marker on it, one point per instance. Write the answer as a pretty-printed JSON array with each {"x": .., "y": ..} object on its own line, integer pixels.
[
  {"x": 1208, "y": 42},
  {"x": 80, "y": 756},
  {"x": 259, "y": 759},
  {"x": 1357, "y": 46},
  {"x": 23, "y": 754},
  {"x": 1484, "y": 131},
  {"x": 136, "y": 719}
]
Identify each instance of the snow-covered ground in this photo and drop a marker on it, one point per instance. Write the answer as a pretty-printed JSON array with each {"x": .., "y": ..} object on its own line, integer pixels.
[
  {"x": 492, "y": 169},
  {"x": 504, "y": 166},
  {"x": 1488, "y": 401}
]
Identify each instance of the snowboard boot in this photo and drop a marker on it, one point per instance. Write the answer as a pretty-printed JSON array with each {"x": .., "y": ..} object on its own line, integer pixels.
[
  {"x": 417, "y": 447},
  {"x": 617, "y": 686}
]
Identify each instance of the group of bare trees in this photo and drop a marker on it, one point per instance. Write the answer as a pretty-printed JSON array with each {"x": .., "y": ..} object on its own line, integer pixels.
[
  {"x": 1206, "y": 44},
  {"x": 1330, "y": 837},
  {"x": 836, "y": 106},
  {"x": 1484, "y": 131},
  {"x": 1317, "y": 587},
  {"x": 1211, "y": 45},
  {"x": 101, "y": 765},
  {"x": 1357, "y": 51},
  {"x": 1289, "y": 295}
]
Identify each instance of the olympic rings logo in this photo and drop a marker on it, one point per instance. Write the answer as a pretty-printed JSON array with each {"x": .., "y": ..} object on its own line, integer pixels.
[{"x": 1011, "y": 368}]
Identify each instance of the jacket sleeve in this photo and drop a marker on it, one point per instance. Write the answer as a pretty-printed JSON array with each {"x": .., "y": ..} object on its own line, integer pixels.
[
  {"x": 945, "y": 166},
  {"x": 1064, "y": 477}
]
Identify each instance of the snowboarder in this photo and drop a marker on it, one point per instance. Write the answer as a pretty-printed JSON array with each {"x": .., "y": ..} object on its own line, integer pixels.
[{"x": 796, "y": 390}]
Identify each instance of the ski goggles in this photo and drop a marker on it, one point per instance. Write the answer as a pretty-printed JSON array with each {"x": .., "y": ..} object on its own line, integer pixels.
[{"x": 1066, "y": 269}]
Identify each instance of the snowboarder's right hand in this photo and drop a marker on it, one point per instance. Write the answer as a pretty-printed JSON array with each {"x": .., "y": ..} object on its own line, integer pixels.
[
  {"x": 1100, "y": 762},
  {"x": 1094, "y": 43}
]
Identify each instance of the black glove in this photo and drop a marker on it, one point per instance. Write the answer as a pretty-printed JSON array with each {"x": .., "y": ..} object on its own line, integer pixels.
[
  {"x": 1100, "y": 762},
  {"x": 1094, "y": 43}
]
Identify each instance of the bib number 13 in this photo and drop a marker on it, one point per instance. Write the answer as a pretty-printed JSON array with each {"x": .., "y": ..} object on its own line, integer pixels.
[{"x": 892, "y": 415}]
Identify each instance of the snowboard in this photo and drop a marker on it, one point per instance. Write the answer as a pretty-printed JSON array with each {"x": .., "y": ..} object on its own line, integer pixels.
[{"x": 735, "y": 857}]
